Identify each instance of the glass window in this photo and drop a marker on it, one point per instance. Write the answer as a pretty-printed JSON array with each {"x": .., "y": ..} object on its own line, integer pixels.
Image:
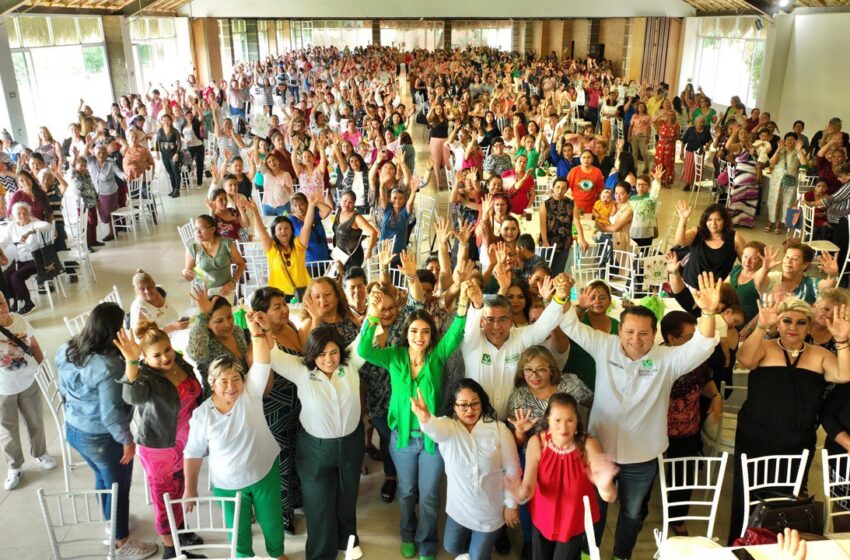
[
  {"x": 64, "y": 31},
  {"x": 138, "y": 29},
  {"x": 90, "y": 30},
  {"x": 154, "y": 28},
  {"x": 12, "y": 30},
  {"x": 35, "y": 31},
  {"x": 166, "y": 27}
]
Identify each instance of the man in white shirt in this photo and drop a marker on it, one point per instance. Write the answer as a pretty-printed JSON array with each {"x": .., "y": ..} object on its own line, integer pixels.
[
  {"x": 632, "y": 395},
  {"x": 491, "y": 347}
]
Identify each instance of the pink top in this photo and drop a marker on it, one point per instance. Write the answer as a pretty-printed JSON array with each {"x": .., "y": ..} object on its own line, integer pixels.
[
  {"x": 640, "y": 125},
  {"x": 556, "y": 508},
  {"x": 277, "y": 189},
  {"x": 312, "y": 184}
]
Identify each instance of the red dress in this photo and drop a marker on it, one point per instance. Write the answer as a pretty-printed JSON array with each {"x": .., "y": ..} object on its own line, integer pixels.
[
  {"x": 556, "y": 508},
  {"x": 665, "y": 151}
]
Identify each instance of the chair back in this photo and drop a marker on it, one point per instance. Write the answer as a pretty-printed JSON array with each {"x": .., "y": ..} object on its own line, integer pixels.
[
  {"x": 187, "y": 234},
  {"x": 317, "y": 269},
  {"x": 589, "y": 531},
  {"x": 208, "y": 517},
  {"x": 836, "y": 487},
  {"x": 619, "y": 272},
  {"x": 75, "y": 324},
  {"x": 427, "y": 208},
  {"x": 695, "y": 474},
  {"x": 589, "y": 264},
  {"x": 547, "y": 254},
  {"x": 45, "y": 377},
  {"x": 63, "y": 511},
  {"x": 114, "y": 296},
  {"x": 771, "y": 472}
]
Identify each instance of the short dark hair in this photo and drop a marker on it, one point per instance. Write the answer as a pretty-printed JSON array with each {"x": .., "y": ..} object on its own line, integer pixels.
[
  {"x": 791, "y": 134},
  {"x": 640, "y": 311},
  {"x": 799, "y": 122},
  {"x": 808, "y": 252},
  {"x": 488, "y": 413},
  {"x": 425, "y": 276},
  {"x": 674, "y": 322},
  {"x": 525, "y": 241},
  {"x": 219, "y": 302},
  {"x": 261, "y": 300},
  {"x": 354, "y": 273},
  {"x": 319, "y": 338},
  {"x": 420, "y": 315}
]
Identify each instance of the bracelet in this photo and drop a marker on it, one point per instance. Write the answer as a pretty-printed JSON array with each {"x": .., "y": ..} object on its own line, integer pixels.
[
  {"x": 373, "y": 320},
  {"x": 133, "y": 363},
  {"x": 842, "y": 341},
  {"x": 559, "y": 301}
]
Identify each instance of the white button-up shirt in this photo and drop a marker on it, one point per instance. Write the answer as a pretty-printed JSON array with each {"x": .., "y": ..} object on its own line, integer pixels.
[
  {"x": 494, "y": 368},
  {"x": 629, "y": 414},
  {"x": 476, "y": 464},
  {"x": 330, "y": 407},
  {"x": 241, "y": 446}
]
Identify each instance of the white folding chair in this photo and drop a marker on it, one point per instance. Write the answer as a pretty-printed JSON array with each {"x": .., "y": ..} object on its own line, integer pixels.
[
  {"x": 399, "y": 280},
  {"x": 808, "y": 230},
  {"x": 546, "y": 253},
  {"x": 114, "y": 296},
  {"x": 63, "y": 511},
  {"x": 256, "y": 268},
  {"x": 372, "y": 266},
  {"x": 187, "y": 234},
  {"x": 806, "y": 183},
  {"x": 589, "y": 531},
  {"x": 424, "y": 220},
  {"x": 75, "y": 324},
  {"x": 153, "y": 202},
  {"x": 128, "y": 217},
  {"x": 208, "y": 519},
  {"x": 694, "y": 474},
  {"x": 720, "y": 437},
  {"x": 836, "y": 487},
  {"x": 771, "y": 471},
  {"x": 619, "y": 273},
  {"x": 46, "y": 379},
  {"x": 76, "y": 226},
  {"x": 588, "y": 264},
  {"x": 650, "y": 268},
  {"x": 700, "y": 182},
  {"x": 319, "y": 268}
]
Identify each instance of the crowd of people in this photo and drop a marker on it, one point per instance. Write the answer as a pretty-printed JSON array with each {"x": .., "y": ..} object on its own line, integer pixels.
[{"x": 485, "y": 362}]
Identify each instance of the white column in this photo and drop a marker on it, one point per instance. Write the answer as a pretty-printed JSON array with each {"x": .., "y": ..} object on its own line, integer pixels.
[{"x": 11, "y": 110}]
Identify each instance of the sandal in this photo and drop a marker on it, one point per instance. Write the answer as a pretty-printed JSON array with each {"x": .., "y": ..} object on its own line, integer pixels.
[
  {"x": 768, "y": 228},
  {"x": 388, "y": 490}
]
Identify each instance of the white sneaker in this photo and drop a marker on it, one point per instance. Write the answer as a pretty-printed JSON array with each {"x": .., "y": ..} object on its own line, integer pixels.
[
  {"x": 46, "y": 462},
  {"x": 356, "y": 553},
  {"x": 134, "y": 549},
  {"x": 13, "y": 479},
  {"x": 462, "y": 557}
]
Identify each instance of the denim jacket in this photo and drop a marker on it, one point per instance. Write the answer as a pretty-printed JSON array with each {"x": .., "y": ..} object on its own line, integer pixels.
[
  {"x": 92, "y": 395},
  {"x": 158, "y": 403}
]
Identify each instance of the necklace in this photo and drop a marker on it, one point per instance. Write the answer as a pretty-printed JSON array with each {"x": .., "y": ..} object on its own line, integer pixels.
[{"x": 795, "y": 352}]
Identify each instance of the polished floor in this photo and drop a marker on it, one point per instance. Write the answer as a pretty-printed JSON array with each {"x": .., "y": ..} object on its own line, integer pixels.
[{"x": 22, "y": 533}]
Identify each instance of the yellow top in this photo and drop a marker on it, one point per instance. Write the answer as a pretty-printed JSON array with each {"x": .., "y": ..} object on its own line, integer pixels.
[{"x": 288, "y": 276}]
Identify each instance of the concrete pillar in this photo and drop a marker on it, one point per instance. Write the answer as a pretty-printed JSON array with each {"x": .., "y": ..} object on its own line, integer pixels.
[
  {"x": 11, "y": 110},
  {"x": 206, "y": 52},
  {"x": 376, "y": 32},
  {"x": 447, "y": 34},
  {"x": 776, "y": 50},
  {"x": 120, "y": 67}
]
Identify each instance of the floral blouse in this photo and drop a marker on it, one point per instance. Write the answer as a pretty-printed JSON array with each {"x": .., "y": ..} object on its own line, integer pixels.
[
  {"x": 521, "y": 397},
  {"x": 559, "y": 222}
]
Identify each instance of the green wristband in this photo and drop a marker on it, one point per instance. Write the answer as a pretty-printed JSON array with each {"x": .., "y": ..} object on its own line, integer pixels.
[{"x": 133, "y": 363}]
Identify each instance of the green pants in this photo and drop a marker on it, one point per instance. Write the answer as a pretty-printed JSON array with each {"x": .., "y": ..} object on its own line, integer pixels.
[
  {"x": 330, "y": 481},
  {"x": 263, "y": 497}
]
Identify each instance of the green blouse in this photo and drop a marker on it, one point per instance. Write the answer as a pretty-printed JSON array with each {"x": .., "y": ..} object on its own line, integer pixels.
[
  {"x": 429, "y": 381},
  {"x": 747, "y": 294}
]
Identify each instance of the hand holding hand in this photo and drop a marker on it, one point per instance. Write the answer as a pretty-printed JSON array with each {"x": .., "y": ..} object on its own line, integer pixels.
[
  {"x": 376, "y": 303},
  {"x": 563, "y": 285}
]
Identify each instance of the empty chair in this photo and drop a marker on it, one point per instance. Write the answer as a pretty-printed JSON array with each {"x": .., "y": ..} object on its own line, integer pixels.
[
  {"x": 319, "y": 268},
  {"x": 129, "y": 217},
  {"x": 771, "y": 472},
  {"x": 679, "y": 478},
  {"x": 62, "y": 511},
  {"x": 836, "y": 491},
  {"x": 546, "y": 253},
  {"x": 720, "y": 437},
  {"x": 207, "y": 519},
  {"x": 187, "y": 234}
]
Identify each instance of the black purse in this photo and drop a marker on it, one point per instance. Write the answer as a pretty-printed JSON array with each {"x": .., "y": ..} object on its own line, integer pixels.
[
  {"x": 776, "y": 513},
  {"x": 48, "y": 265}
]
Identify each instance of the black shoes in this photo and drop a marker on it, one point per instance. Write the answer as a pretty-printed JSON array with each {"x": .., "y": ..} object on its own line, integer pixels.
[{"x": 388, "y": 490}]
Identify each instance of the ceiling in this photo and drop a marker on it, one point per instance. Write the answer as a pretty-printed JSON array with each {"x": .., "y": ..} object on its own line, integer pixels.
[{"x": 132, "y": 7}]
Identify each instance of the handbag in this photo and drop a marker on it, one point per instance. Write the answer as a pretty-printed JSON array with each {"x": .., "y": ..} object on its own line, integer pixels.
[
  {"x": 48, "y": 265},
  {"x": 803, "y": 514},
  {"x": 792, "y": 218}
]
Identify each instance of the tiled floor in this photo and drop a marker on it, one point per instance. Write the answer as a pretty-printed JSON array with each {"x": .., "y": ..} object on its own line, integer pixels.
[{"x": 22, "y": 534}]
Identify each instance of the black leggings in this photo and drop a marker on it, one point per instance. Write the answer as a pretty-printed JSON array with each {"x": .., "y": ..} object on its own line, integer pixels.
[
  {"x": 171, "y": 168},
  {"x": 197, "y": 153},
  {"x": 544, "y": 549}
]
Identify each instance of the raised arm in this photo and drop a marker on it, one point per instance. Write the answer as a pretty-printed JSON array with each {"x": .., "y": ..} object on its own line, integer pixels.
[
  {"x": 684, "y": 236},
  {"x": 309, "y": 217}
]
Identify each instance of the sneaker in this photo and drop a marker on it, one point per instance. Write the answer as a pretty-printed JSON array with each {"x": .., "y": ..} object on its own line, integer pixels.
[
  {"x": 96, "y": 244},
  {"x": 190, "y": 539},
  {"x": 134, "y": 549},
  {"x": 462, "y": 557},
  {"x": 46, "y": 462},
  {"x": 26, "y": 309},
  {"x": 356, "y": 553},
  {"x": 408, "y": 549},
  {"x": 13, "y": 479}
]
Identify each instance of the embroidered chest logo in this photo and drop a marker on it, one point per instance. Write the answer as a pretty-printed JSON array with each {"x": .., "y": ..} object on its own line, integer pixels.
[{"x": 485, "y": 359}]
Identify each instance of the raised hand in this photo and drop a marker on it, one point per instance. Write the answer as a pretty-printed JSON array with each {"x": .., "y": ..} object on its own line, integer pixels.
[
  {"x": 376, "y": 303},
  {"x": 585, "y": 297},
  {"x": 464, "y": 233},
  {"x": 419, "y": 408},
  {"x": 463, "y": 271},
  {"x": 473, "y": 292},
  {"x": 791, "y": 546},
  {"x": 385, "y": 253},
  {"x": 683, "y": 209},
  {"x": 546, "y": 288},
  {"x": 707, "y": 297},
  {"x": 258, "y": 323},
  {"x": 828, "y": 264},
  {"x": 126, "y": 344},
  {"x": 839, "y": 326},
  {"x": 563, "y": 285},
  {"x": 658, "y": 174},
  {"x": 444, "y": 230},
  {"x": 672, "y": 260},
  {"x": 771, "y": 256},
  {"x": 408, "y": 264},
  {"x": 201, "y": 298},
  {"x": 767, "y": 312},
  {"x": 523, "y": 420},
  {"x": 501, "y": 253},
  {"x": 503, "y": 276},
  {"x": 311, "y": 306}
]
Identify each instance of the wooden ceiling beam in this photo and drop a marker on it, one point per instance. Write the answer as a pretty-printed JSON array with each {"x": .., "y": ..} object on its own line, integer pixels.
[{"x": 7, "y": 6}]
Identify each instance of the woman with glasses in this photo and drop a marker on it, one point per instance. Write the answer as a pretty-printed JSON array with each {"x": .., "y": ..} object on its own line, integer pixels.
[
  {"x": 209, "y": 259},
  {"x": 416, "y": 370},
  {"x": 472, "y": 440}
]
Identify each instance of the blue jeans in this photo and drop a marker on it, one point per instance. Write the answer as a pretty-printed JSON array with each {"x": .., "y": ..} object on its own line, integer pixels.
[
  {"x": 103, "y": 454},
  {"x": 419, "y": 474},
  {"x": 275, "y": 210},
  {"x": 634, "y": 483},
  {"x": 458, "y": 540}
]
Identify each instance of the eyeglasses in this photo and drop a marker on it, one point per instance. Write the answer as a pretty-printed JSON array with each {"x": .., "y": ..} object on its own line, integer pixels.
[
  {"x": 494, "y": 320},
  {"x": 541, "y": 371},
  {"x": 199, "y": 229},
  {"x": 467, "y": 406}
]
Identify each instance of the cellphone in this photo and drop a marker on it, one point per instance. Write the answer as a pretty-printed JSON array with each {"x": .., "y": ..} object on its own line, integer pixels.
[{"x": 743, "y": 554}]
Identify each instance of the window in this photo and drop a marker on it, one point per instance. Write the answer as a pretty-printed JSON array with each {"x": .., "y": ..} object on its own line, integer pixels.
[
  {"x": 58, "y": 54},
  {"x": 729, "y": 58},
  {"x": 488, "y": 33},
  {"x": 263, "y": 38},
  {"x": 409, "y": 35},
  {"x": 226, "y": 46},
  {"x": 155, "y": 51}
]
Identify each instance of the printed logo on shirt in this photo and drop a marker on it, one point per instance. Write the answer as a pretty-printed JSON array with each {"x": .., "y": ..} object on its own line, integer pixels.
[
  {"x": 586, "y": 185},
  {"x": 340, "y": 373},
  {"x": 513, "y": 358},
  {"x": 485, "y": 359},
  {"x": 314, "y": 377},
  {"x": 647, "y": 368},
  {"x": 647, "y": 364},
  {"x": 615, "y": 364}
]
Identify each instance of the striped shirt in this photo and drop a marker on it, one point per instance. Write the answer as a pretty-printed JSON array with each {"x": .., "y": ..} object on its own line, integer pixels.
[{"x": 838, "y": 204}]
